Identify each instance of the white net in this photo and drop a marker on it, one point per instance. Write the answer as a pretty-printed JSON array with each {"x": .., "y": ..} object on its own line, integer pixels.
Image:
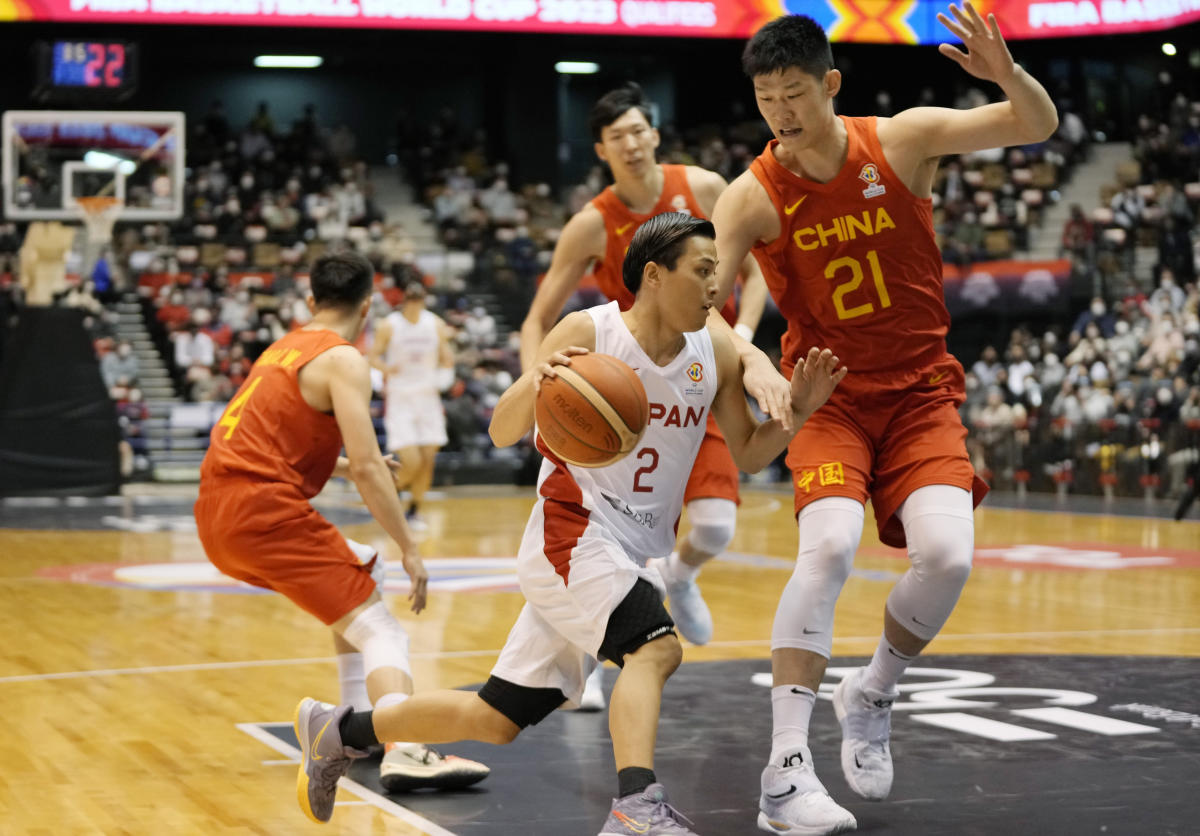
[{"x": 98, "y": 214}]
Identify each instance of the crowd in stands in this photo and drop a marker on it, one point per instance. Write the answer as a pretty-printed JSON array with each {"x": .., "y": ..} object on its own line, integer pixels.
[
  {"x": 1113, "y": 405},
  {"x": 1115, "y": 400}
]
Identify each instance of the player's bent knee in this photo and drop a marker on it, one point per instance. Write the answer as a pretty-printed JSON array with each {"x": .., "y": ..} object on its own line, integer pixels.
[
  {"x": 637, "y": 621},
  {"x": 492, "y": 726},
  {"x": 664, "y": 654},
  {"x": 380, "y": 638},
  {"x": 514, "y": 707},
  {"x": 832, "y": 556},
  {"x": 714, "y": 522},
  {"x": 944, "y": 553}
]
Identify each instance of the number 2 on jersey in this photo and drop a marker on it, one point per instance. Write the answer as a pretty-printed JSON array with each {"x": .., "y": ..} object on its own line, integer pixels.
[
  {"x": 233, "y": 413},
  {"x": 852, "y": 284},
  {"x": 645, "y": 453}
]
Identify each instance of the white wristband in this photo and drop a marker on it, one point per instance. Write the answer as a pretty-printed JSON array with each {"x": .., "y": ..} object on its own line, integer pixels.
[{"x": 744, "y": 331}]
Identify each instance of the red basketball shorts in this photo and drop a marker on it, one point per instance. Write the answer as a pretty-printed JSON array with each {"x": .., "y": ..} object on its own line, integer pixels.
[
  {"x": 714, "y": 475},
  {"x": 880, "y": 437},
  {"x": 269, "y": 536}
]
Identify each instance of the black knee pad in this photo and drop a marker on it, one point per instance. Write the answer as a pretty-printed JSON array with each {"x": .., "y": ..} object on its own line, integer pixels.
[
  {"x": 638, "y": 619},
  {"x": 523, "y": 705}
]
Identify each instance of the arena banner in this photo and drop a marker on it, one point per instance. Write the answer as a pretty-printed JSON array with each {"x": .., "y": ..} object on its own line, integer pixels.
[
  {"x": 1007, "y": 286},
  {"x": 868, "y": 21}
]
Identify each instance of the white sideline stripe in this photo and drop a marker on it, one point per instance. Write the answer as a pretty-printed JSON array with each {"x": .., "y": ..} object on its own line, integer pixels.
[
  {"x": 467, "y": 654},
  {"x": 1095, "y": 723},
  {"x": 981, "y": 727},
  {"x": 368, "y": 796}
]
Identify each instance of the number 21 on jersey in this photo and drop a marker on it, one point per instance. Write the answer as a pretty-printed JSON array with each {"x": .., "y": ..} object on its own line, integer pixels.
[{"x": 837, "y": 268}]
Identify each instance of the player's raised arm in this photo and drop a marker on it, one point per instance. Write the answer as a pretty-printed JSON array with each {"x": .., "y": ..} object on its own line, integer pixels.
[
  {"x": 754, "y": 445},
  {"x": 513, "y": 416},
  {"x": 581, "y": 242},
  {"x": 1028, "y": 116}
]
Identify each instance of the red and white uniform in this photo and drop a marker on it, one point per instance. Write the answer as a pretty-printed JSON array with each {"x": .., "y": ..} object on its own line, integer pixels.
[
  {"x": 268, "y": 456},
  {"x": 592, "y": 529},
  {"x": 714, "y": 475},
  {"x": 857, "y": 269}
]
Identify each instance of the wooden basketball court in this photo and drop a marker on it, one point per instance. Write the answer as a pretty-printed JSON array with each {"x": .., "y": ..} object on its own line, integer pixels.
[{"x": 135, "y": 684}]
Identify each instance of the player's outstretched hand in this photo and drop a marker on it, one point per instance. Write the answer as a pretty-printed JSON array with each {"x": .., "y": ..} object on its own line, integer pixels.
[
  {"x": 418, "y": 578},
  {"x": 771, "y": 390},
  {"x": 987, "y": 56},
  {"x": 545, "y": 368},
  {"x": 814, "y": 380}
]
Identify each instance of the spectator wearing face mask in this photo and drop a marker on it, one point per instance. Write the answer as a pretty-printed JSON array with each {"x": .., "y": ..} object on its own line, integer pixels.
[
  {"x": 1098, "y": 313},
  {"x": 1164, "y": 345},
  {"x": 1018, "y": 370},
  {"x": 121, "y": 364},
  {"x": 1168, "y": 298}
]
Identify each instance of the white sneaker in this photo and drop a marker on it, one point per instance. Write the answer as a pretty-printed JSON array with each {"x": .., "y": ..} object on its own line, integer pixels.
[
  {"x": 688, "y": 609},
  {"x": 795, "y": 803},
  {"x": 866, "y": 718},
  {"x": 414, "y": 766},
  {"x": 593, "y": 691},
  {"x": 416, "y": 522}
]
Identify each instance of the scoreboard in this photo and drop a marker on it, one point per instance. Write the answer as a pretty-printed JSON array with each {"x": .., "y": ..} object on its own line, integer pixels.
[{"x": 83, "y": 70}]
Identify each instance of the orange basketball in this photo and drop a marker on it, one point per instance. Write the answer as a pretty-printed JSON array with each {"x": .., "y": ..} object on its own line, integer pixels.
[{"x": 594, "y": 412}]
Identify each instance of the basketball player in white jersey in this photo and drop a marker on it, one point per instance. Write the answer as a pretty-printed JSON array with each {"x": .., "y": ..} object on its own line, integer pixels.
[
  {"x": 582, "y": 561},
  {"x": 412, "y": 348}
]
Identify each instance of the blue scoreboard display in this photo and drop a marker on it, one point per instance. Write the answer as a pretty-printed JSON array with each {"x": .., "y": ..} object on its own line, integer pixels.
[
  {"x": 83, "y": 69},
  {"x": 88, "y": 64}
]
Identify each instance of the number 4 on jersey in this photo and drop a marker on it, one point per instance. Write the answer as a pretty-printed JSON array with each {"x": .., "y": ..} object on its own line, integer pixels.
[{"x": 233, "y": 413}]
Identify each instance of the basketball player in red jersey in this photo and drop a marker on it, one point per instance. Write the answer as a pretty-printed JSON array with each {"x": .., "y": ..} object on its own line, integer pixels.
[
  {"x": 599, "y": 235},
  {"x": 839, "y": 212},
  {"x": 271, "y": 452}
]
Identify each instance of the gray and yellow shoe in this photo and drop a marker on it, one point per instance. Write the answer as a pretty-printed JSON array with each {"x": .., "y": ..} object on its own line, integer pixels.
[
  {"x": 646, "y": 814},
  {"x": 324, "y": 759}
]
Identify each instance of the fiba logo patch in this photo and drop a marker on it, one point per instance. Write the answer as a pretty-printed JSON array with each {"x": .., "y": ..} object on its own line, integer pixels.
[
  {"x": 679, "y": 204},
  {"x": 695, "y": 372},
  {"x": 870, "y": 176}
]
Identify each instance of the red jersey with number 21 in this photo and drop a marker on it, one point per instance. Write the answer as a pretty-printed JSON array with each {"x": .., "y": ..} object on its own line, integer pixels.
[{"x": 856, "y": 267}]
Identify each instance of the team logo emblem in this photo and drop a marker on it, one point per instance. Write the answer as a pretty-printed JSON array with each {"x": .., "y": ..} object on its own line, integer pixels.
[
  {"x": 679, "y": 204},
  {"x": 695, "y": 372},
  {"x": 870, "y": 176}
]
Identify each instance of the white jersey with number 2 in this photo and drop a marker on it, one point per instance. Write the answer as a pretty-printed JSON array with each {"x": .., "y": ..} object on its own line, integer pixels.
[{"x": 637, "y": 500}]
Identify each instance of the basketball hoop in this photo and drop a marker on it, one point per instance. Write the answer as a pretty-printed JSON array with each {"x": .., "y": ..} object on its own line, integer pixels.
[{"x": 99, "y": 215}]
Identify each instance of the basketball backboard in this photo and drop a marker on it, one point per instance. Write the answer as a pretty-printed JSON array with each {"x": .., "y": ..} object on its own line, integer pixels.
[{"x": 52, "y": 157}]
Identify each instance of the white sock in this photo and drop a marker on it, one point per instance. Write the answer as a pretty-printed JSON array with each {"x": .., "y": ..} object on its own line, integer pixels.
[
  {"x": 678, "y": 571},
  {"x": 791, "y": 710},
  {"x": 353, "y": 681},
  {"x": 886, "y": 667}
]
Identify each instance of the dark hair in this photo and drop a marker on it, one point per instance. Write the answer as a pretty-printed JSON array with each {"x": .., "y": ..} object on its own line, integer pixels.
[
  {"x": 341, "y": 279},
  {"x": 616, "y": 103},
  {"x": 661, "y": 240},
  {"x": 788, "y": 41}
]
